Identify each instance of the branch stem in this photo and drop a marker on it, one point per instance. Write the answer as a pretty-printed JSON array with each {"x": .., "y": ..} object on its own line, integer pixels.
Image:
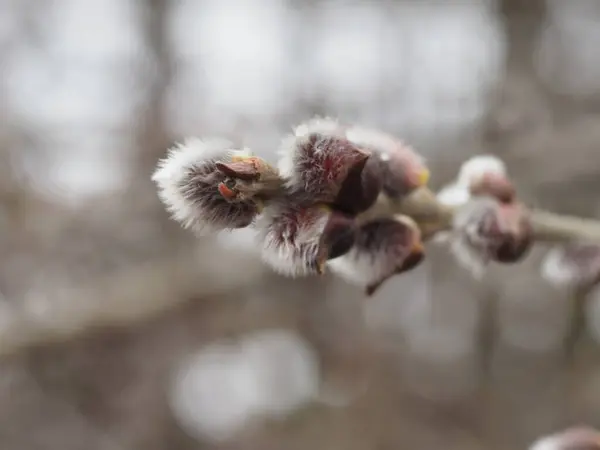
[
  {"x": 551, "y": 227},
  {"x": 433, "y": 217}
]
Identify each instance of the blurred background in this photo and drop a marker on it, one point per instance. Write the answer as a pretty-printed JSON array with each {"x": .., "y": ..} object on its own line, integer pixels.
[{"x": 118, "y": 330}]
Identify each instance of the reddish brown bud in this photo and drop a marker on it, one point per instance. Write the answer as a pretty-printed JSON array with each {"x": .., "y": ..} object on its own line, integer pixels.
[
  {"x": 402, "y": 169},
  {"x": 486, "y": 230},
  {"x": 383, "y": 248},
  {"x": 298, "y": 240},
  {"x": 195, "y": 190},
  {"x": 495, "y": 185},
  {"x": 517, "y": 237},
  {"x": 249, "y": 178},
  {"x": 360, "y": 188},
  {"x": 244, "y": 170},
  {"x": 338, "y": 236},
  {"x": 575, "y": 264},
  {"x": 317, "y": 159}
]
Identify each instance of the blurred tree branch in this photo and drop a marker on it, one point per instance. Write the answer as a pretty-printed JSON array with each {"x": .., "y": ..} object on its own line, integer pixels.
[
  {"x": 130, "y": 296},
  {"x": 579, "y": 298}
]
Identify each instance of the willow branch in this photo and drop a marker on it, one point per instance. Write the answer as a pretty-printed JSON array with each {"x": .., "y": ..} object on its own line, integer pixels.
[
  {"x": 551, "y": 227},
  {"x": 433, "y": 217}
]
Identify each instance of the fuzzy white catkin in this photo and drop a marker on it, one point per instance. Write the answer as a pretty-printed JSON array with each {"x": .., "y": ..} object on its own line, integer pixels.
[
  {"x": 171, "y": 177},
  {"x": 453, "y": 195},
  {"x": 557, "y": 271},
  {"x": 288, "y": 150},
  {"x": 572, "y": 265},
  {"x": 478, "y": 165},
  {"x": 457, "y": 192},
  {"x": 465, "y": 240}
]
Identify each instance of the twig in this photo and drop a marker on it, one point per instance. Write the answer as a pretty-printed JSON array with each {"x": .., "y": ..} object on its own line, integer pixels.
[
  {"x": 422, "y": 206},
  {"x": 551, "y": 227},
  {"x": 433, "y": 217}
]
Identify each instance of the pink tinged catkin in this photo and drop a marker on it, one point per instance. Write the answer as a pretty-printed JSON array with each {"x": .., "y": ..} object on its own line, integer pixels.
[
  {"x": 188, "y": 181},
  {"x": 384, "y": 248},
  {"x": 317, "y": 159},
  {"x": 402, "y": 169},
  {"x": 576, "y": 264},
  {"x": 474, "y": 179},
  {"x": 493, "y": 185},
  {"x": 485, "y": 230},
  {"x": 297, "y": 240}
]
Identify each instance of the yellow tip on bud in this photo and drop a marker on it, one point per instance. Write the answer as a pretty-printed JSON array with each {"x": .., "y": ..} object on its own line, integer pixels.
[
  {"x": 321, "y": 267},
  {"x": 260, "y": 204},
  {"x": 325, "y": 208},
  {"x": 320, "y": 264},
  {"x": 241, "y": 155},
  {"x": 423, "y": 177},
  {"x": 418, "y": 247}
]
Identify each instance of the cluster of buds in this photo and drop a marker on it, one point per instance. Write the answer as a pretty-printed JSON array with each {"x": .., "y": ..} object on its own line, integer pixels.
[
  {"x": 490, "y": 224},
  {"x": 307, "y": 211}
]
